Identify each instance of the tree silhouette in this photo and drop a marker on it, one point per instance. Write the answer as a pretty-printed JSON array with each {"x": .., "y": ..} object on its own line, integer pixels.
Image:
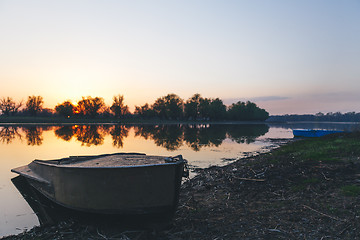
[
  {"x": 90, "y": 106},
  {"x": 217, "y": 109},
  {"x": 169, "y": 107},
  {"x": 247, "y": 112},
  {"x": 174, "y": 106},
  {"x": 191, "y": 107},
  {"x": 66, "y": 109},
  {"x": 118, "y": 107},
  {"x": 144, "y": 111},
  {"x": 34, "y": 104},
  {"x": 204, "y": 108},
  {"x": 159, "y": 108},
  {"x": 198, "y": 107},
  {"x": 8, "y": 106}
]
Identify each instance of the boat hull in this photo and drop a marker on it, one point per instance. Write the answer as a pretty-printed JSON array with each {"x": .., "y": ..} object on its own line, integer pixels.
[
  {"x": 312, "y": 133},
  {"x": 131, "y": 190}
]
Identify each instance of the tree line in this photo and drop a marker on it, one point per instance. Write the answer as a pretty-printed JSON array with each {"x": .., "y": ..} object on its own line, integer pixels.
[
  {"x": 169, "y": 107},
  {"x": 321, "y": 117}
]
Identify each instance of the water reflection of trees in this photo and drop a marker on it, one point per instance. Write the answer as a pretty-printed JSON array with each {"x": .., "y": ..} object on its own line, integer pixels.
[
  {"x": 198, "y": 136},
  {"x": 8, "y": 134},
  {"x": 33, "y": 135},
  {"x": 167, "y": 136},
  {"x": 171, "y": 137},
  {"x": 65, "y": 132},
  {"x": 118, "y": 133},
  {"x": 90, "y": 135},
  {"x": 246, "y": 133}
]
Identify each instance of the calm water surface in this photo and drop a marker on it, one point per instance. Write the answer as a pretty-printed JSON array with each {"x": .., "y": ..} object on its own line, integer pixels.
[{"x": 201, "y": 145}]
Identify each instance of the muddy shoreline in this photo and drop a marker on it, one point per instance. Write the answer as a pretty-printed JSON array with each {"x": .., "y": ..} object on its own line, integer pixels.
[{"x": 284, "y": 194}]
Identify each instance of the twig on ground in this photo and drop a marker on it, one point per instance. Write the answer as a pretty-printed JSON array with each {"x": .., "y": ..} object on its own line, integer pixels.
[
  {"x": 251, "y": 179},
  {"x": 101, "y": 235},
  {"x": 347, "y": 227},
  {"x": 327, "y": 179},
  {"x": 274, "y": 230},
  {"x": 323, "y": 214}
]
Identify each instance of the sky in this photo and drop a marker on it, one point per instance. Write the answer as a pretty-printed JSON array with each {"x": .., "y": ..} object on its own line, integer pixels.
[{"x": 289, "y": 57}]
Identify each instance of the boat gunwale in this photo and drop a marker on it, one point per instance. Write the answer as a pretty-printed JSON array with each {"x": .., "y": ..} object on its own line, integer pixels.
[
  {"x": 56, "y": 162},
  {"x": 38, "y": 178},
  {"x": 315, "y": 129},
  {"x": 43, "y": 162}
]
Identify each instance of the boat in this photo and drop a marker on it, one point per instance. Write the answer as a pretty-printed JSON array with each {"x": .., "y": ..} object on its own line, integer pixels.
[
  {"x": 120, "y": 183},
  {"x": 313, "y": 132}
]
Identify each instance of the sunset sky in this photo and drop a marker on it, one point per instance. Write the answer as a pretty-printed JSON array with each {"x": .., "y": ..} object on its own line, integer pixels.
[{"x": 287, "y": 56}]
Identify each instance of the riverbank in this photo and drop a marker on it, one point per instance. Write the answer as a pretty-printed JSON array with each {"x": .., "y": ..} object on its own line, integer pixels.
[{"x": 307, "y": 189}]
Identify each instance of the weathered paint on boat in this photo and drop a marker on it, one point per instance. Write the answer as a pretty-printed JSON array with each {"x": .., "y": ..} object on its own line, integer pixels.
[
  {"x": 110, "y": 189},
  {"x": 312, "y": 132}
]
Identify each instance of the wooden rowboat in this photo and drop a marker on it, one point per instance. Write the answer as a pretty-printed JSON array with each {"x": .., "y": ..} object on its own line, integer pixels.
[{"x": 121, "y": 183}]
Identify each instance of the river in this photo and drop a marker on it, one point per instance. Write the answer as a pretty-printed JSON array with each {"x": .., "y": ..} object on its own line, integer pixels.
[{"x": 203, "y": 145}]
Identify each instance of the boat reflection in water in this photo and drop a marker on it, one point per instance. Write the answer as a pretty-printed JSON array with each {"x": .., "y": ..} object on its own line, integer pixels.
[{"x": 46, "y": 211}]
